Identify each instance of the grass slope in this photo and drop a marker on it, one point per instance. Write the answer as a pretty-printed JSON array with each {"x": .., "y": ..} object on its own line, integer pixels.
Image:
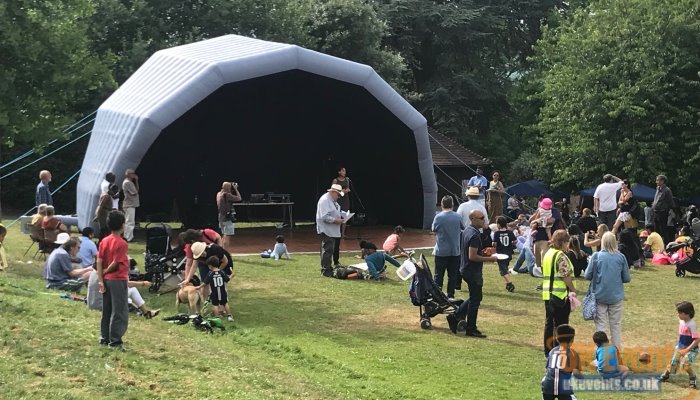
[{"x": 298, "y": 335}]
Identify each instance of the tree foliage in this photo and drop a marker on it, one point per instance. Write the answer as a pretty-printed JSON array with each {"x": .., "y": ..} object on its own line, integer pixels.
[
  {"x": 618, "y": 88},
  {"x": 462, "y": 57},
  {"x": 48, "y": 75}
]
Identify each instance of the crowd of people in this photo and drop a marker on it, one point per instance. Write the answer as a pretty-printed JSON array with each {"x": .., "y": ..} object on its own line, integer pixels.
[{"x": 599, "y": 245}]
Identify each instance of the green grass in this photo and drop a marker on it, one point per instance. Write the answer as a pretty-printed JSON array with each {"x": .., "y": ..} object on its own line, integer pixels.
[{"x": 298, "y": 335}]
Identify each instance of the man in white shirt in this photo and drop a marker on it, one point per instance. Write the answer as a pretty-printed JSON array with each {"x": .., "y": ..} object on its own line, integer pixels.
[
  {"x": 328, "y": 221},
  {"x": 605, "y": 200},
  {"x": 472, "y": 204}
]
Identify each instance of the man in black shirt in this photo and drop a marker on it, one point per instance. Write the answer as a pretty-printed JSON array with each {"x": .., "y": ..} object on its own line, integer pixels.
[
  {"x": 663, "y": 202},
  {"x": 471, "y": 265}
]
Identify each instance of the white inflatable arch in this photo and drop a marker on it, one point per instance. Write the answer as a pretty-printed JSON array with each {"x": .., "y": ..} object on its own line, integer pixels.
[{"x": 273, "y": 117}]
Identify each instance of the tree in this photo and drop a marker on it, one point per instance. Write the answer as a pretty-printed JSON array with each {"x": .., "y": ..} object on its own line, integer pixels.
[
  {"x": 46, "y": 69},
  {"x": 351, "y": 29},
  {"x": 618, "y": 87},
  {"x": 48, "y": 76},
  {"x": 463, "y": 56}
]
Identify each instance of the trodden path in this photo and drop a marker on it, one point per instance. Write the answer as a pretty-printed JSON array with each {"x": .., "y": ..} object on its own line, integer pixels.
[{"x": 305, "y": 239}]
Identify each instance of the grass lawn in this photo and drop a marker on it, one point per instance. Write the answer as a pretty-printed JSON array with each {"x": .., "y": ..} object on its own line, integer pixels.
[{"x": 299, "y": 335}]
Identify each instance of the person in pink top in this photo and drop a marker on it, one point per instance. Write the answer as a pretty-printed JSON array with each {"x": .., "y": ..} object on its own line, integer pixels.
[
  {"x": 392, "y": 244},
  {"x": 112, "y": 283}
]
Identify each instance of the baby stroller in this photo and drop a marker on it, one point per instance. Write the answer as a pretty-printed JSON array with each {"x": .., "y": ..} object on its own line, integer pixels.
[
  {"x": 691, "y": 261},
  {"x": 428, "y": 296},
  {"x": 161, "y": 262}
]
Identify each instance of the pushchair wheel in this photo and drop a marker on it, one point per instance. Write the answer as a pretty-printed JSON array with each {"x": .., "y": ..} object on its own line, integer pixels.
[
  {"x": 680, "y": 272},
  {"x": 425, "y": 324},
  {"x": 461, "y": 326}
]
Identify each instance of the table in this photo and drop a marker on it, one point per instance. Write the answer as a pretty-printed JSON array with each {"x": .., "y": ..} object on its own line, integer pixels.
[{"x": 287, "y": 210}]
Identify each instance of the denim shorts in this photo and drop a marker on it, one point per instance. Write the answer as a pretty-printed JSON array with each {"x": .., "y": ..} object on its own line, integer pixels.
[{"x": 227, "y": 228}]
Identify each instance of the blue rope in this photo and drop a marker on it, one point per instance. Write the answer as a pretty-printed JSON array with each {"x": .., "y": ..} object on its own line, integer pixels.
[
  {"x": 52, "y": 193},
  {"x": 68, "y": 130},
  {"x": 46, "y": 155},
  {"x": 66, "y": 182}
]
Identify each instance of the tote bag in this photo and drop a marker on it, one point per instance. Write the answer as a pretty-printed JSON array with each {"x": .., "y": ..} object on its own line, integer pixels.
[{"x": 589, "y": 308}]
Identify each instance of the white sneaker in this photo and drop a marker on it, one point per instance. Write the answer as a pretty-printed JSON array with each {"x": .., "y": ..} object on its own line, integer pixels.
[
  {"x": 229, "y": 318},
  {"x": 537, "y": 271},
  {"x": 512, "y": 271}
]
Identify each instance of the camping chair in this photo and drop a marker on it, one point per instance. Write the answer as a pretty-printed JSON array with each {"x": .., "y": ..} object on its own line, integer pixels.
[{"x": 37, "y": 236}]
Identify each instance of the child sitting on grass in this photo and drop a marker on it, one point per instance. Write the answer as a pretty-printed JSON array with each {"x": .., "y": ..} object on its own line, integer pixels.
[
  {"x": 217, "y": 279},
  {"x": 687, "y": 347},
  {"x": 562, "y": 363},
  {"x": 607, "y": 356},
  {"x": 392, "y": 244},
  {"x": 280, "y": 249}
]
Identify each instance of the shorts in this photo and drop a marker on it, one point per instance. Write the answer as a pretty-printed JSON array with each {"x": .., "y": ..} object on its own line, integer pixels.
[
  {"x": 227, "y": 228},
  {"x": 685, "y": 360},
  {"x": 503, "y": 266},
  {"x": 218, "y": 299},
  {"x": 203, "y": 269},
  {"x": 624, "y": 217}
]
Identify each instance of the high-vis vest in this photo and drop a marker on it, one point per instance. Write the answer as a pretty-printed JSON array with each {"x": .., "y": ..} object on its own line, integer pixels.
[{"x": 549, "y": 260}]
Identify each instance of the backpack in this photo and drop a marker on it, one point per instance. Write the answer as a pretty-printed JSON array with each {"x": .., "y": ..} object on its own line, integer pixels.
[{"x": 635, "y": 210}]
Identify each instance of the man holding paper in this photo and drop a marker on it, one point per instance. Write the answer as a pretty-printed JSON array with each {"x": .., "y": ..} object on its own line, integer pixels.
[{"x": 328, "y": 221}]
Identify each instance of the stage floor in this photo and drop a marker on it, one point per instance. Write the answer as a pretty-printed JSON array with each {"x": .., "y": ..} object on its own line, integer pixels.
[{"x": 305, "y": 239}]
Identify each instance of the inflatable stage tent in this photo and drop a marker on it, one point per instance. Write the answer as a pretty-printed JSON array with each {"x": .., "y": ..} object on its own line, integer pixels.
[{"x": 274, "y": 118}]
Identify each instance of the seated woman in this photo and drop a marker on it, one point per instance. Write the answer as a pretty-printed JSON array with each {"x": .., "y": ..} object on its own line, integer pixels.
[
  {"x": 51, "y": 223},
  {"x": 578, "y": 258},
  {"x": 60, "y": 272},
  {"x": 376, "y": 260},
  {"x": 592, "y": 239},
  {"x": 39, "y": 216}
]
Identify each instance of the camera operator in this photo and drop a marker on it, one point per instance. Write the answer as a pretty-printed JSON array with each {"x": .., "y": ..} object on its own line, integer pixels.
[{"x": 227, "y": 215}]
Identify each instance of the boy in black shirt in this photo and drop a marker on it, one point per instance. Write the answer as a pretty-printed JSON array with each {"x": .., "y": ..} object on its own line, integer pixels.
[
  {"x": 217, "y": 279},
  {"x": 505, "y": 244}
]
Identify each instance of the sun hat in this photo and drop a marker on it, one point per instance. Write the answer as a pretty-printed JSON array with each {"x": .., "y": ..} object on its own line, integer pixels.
[
  {"x": 62, "y": 238},
  {"x": 473, "y": 191},
  {"x": 197, "y": 249},
  {"x": 546, "y": 203},
  {"x": 337, "y": 188}
]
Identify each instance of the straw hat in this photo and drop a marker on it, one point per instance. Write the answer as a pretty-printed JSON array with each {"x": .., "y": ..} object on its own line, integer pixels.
[
  {"x": 62, "y": 238},
  {"x": 473, "y": 191},
  {"x": 197, "y": 249},
  {"x": 337, "y": 188}
]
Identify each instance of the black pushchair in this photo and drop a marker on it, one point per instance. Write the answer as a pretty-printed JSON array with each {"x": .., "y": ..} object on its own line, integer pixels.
[
  {"x": 690, "y": 263},
  {"x": 161, "y": 262},
  {"x": 428, "y": 296}
]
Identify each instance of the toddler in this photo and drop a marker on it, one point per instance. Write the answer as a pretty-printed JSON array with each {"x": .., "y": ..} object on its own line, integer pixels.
[
  {"x": 543, "y": 213},
  {"x": 217, "y": 279},
  {"x": 607, "y": 357},
  {"x": 505, "y": 244},
  {"x": 280, "y": 249}
]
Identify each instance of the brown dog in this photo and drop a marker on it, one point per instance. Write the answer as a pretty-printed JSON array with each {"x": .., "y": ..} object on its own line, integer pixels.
[{"x": 191, "y": 295}]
